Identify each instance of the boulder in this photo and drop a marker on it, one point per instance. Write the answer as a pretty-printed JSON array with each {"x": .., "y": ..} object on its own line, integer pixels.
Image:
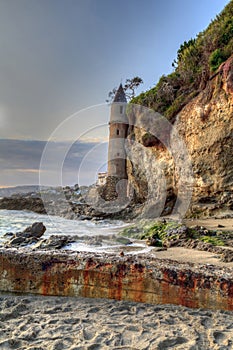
[
  {"x": 30, "y": 235},
  {"x": 36, "y": 230}
]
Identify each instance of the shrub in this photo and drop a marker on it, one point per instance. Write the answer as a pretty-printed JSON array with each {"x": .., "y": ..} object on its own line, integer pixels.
[{"x": 216, "y": 59}]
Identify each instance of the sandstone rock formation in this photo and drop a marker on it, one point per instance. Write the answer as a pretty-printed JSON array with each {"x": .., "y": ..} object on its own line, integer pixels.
[{"x": 205, "y": 125}]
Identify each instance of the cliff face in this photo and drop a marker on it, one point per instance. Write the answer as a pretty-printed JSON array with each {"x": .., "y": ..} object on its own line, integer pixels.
[{"x": 157, "y": 164}]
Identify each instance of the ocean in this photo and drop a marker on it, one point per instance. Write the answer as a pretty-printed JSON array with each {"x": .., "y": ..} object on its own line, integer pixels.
[{"x": 92, "y": 236}]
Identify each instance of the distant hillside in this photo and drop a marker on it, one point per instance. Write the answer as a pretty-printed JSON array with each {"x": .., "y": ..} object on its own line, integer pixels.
[
  {"x": 8, "y": 191},
  {"x": 197, "y": 61}
]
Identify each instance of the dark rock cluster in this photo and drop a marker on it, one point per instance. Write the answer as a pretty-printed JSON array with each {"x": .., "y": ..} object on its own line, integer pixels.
[
  {"x": 32, "y": 236},
  {"x": 29, "y": 236}
]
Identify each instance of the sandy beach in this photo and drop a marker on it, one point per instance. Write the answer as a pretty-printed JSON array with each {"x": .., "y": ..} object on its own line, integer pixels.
[
  {"x": 211, "y": 223},
  {"x": 37, "y": 322}
]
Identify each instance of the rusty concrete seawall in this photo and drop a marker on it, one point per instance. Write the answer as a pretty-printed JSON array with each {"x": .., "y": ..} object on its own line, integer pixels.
[{"x": 140, "y": 279}]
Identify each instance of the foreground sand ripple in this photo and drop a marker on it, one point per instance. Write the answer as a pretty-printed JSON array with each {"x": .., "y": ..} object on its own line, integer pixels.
[{"x": 38, "y": 323}]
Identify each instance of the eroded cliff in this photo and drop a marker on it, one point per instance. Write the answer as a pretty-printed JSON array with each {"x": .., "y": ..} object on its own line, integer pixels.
[{"x": 156, "y": 166}]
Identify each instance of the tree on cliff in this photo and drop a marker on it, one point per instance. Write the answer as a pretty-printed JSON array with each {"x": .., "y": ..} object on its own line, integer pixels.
[
  {"x": 129, "y": 88},
  {"x": 197, "y": 60}
]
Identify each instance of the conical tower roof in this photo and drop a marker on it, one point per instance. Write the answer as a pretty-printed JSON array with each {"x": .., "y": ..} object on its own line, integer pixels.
[{"x": 120, "y": 95}]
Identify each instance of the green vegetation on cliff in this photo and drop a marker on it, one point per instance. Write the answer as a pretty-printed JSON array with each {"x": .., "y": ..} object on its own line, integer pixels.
[{"x": 197, "y": 60}]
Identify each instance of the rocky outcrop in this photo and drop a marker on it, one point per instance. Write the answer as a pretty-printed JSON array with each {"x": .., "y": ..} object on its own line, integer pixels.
[
  {"x": 206, "y": 127},
  {"x": 22, "y": 202},
  {"x": 91, "y": 205}
]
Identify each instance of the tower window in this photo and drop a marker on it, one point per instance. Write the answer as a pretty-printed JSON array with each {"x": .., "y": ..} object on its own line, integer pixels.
[
  {"x": 121, "y": 109},
  {"x": 118, "y": 132}
]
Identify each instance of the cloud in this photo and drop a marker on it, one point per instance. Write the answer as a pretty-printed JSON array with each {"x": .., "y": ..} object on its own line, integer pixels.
[
  {"x": 33, "y": 171},
  {"x": 20, "y": 162}
]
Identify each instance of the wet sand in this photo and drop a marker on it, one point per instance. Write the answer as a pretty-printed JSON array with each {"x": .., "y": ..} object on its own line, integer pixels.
[
  {"x": 190, "y": 256},
  {"x": 211, "y": 223},
  {"x": 36, "y": 322}
]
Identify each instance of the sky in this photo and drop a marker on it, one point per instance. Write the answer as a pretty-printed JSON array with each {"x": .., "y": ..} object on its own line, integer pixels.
[{"x": 60, "y": 57}]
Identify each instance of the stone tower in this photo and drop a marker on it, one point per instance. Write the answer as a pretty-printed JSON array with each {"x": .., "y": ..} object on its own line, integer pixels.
[{"x": 118, "y": 128}]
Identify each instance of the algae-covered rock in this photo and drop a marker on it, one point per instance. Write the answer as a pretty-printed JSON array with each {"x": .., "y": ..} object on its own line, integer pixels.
[
  {"x": 155, "y": 232},
  {"x": 172, "y": 233}
]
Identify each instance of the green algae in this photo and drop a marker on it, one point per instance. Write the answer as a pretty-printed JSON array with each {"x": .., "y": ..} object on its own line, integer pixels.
[{"x": 161, "y": 232}]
